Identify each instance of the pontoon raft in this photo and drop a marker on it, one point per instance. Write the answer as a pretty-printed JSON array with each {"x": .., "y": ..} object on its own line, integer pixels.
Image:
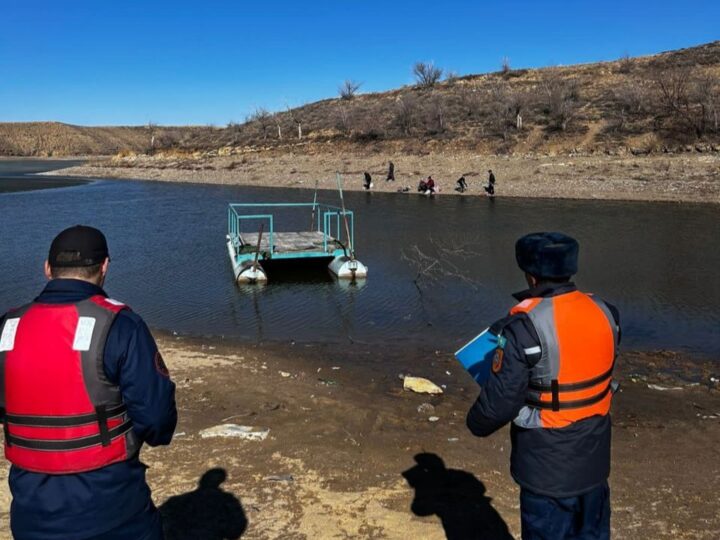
[{"x": 253, "y": 240}]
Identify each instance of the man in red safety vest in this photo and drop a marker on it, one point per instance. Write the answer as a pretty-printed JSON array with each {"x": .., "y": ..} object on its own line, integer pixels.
[
  {"x": 551, "y": 377},
  {"x": 83, "y": 387}
]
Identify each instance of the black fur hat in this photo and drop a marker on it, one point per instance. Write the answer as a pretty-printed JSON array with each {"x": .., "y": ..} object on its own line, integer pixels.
[{"x": 547, "y": 255}]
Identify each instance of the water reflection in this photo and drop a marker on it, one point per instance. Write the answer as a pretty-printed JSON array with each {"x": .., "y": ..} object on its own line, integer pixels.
[{"x": 656, "y": 262}]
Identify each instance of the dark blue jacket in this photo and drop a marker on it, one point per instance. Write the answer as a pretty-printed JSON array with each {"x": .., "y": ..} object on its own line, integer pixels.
[
  {"x": 562, "y": 462},
  {"x": 76, "y": 506}
]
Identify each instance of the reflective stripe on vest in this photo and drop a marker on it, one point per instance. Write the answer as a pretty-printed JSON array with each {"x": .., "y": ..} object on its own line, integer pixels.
[
  {"x": 61, "y": 414},
  {"x": 573, "y": 378}
]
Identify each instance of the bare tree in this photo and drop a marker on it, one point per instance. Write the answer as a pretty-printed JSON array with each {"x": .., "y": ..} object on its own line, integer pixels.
[
  {"x": 505, "y": 108},
  {"x": 690, "y": 101},
  {"x": 427, "y": 74},
  {"x": 278, "y": 124},
  {"x": 632, "y": 100},
  {"x": 234, "y": 129},
  {"x": 348, "y": 89},
  {"x": 405, "y": 109},
  {"x": 344, "y": 120},
  {"x": 452, "y": 76},
  {"x": 505, "y": 67},
  {"x": 436, "y": 115},
  {"x": 152, "y": 130},
  {"x": 165, "y": 138},
  {"x": 561, "y": 99},
  {"x": 706, "y": 92},
  {"x": 438, "y": 109},
  {"x": 469, "y": 99},
  {"x": 295, "y": 116},
  {"x": 625, "y": 64},
  {"x": 262, "y": 117}
]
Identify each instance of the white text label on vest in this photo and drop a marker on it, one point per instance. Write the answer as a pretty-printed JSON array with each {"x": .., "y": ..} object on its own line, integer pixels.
[
  {"x": 7, "y": 340},
  {"x": 83, "y": 334}
]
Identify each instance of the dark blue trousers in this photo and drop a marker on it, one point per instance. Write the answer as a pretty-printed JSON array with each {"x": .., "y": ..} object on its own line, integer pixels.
[
  {"x": 145, "y": 526},
  {"x": 585, "y": 517}
]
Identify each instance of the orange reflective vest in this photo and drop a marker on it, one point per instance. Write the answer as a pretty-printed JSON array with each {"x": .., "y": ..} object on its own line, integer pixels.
[{"x": 578, "y": 345}]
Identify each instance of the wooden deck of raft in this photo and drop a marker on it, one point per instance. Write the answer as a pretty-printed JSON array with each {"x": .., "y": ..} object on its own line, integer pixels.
[{"x": 286, "y": 242}]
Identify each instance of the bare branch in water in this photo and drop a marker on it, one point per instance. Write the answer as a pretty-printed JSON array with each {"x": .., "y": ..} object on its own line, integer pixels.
[{"x": 434, "y": 268}]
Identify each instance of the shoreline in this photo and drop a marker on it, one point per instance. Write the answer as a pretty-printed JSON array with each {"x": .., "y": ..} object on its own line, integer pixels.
[
  {"x": 671, "y": 178},
  {"x": 343, "y": 438}
]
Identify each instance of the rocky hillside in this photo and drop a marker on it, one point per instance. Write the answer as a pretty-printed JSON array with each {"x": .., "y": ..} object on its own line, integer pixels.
[
  {"x": 57, "y": 139},
  {"x": 670, "y": 101},
  {"x": 665, "y": 102}
]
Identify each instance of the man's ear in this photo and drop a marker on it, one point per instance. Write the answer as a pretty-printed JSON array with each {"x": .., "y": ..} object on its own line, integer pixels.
[
  {"x": 103, "y": 271},
  {"x": 48, "y": 271}
]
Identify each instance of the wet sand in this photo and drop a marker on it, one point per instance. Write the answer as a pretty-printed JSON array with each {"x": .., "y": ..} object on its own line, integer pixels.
[
  {"x": 691, "y": 177},
  {"x": 343, "y": 432}
]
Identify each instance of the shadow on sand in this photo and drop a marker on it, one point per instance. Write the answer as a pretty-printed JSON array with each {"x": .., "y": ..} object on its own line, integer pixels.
[
  {"x": 457, "y": 498},
  {"x": 207, "y": 513}
]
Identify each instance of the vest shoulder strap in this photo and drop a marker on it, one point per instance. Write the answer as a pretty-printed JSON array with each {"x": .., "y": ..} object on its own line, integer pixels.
[
  {"x": 100, "y": 315},
  {"x": 526, "y": 306},
  {"x": 8, "y": 331}
]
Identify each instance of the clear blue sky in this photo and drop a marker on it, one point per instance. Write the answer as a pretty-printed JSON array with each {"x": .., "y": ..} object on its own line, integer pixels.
[{"x": 175, "y": 62}]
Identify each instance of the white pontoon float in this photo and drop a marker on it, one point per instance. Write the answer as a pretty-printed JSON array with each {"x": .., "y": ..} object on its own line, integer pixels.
[{"x": 253, "y": 242}]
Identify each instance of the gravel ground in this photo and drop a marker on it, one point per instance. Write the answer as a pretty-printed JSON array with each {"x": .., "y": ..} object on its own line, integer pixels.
[
  {"x": 692, "y": 177},
  {"x": 345, "y": 444}
]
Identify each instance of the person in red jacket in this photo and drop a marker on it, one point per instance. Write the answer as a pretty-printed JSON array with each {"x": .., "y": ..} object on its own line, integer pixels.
[
  {"x": 84, "y": 387},
  {"x": 427, "y": 187}
]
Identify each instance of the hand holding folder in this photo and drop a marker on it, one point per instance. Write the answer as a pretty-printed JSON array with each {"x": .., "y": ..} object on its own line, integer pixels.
[{"x": 476, "y": 356}]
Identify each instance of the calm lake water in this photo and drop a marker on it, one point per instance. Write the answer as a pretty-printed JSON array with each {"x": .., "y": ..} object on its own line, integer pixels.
[{"x": 657, "y": 262}]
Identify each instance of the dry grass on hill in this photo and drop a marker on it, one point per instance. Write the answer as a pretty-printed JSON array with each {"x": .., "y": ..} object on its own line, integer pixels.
[{"x": 666, "y": 102}]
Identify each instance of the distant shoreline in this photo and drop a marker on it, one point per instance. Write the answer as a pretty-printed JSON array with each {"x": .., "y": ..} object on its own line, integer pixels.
[{"x": 675, "y": 178}]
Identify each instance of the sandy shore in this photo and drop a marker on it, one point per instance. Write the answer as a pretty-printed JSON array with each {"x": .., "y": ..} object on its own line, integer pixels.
[
  {"x": 340, "y": 455},
  {"x": 691, "y": 177}
]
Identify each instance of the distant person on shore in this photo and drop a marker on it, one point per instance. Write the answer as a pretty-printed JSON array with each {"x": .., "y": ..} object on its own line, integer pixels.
[
  {"x": 84, "y": 387},
  {"x": 461, "y": 185},
  {"x": 391, "y": 172},
  {"x": 427, "y": 187},
  {"x": 490, "y": 188},
  {"x": 367, "y": 182},
  {"x": 551, "y": 376}
]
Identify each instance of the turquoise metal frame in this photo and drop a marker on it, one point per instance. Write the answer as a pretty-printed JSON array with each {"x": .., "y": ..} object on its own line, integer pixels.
[{"x": 330, "y": 222}]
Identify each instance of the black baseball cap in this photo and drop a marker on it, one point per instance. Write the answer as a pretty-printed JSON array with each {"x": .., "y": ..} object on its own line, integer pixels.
[{"x": 78, "y": 246}]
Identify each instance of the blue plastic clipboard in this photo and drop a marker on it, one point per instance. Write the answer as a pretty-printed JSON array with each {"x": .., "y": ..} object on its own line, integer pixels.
[{"x": 476, "y": 355}]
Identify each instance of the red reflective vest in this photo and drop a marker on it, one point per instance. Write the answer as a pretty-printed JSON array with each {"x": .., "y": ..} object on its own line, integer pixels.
[
  {"x": 578, "y": 345},
  {"x": 61, "y": 414}
]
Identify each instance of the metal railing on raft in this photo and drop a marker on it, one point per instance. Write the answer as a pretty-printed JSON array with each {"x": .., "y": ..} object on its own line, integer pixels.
[{"x": 325, "y": 215}]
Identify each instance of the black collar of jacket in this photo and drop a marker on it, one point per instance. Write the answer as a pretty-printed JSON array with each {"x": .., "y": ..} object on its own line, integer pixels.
[
  {"x": 545, "y": 290},
  {"x": 71, "y": 287}
]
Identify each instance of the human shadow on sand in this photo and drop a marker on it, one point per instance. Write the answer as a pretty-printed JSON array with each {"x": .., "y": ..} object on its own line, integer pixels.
[
  {"x": 207, "y": 513},
  {"x": 457, "y": 498}
]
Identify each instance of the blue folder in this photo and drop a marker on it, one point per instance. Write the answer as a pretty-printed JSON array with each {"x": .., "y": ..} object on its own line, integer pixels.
[{"x": 476, "y": 355}]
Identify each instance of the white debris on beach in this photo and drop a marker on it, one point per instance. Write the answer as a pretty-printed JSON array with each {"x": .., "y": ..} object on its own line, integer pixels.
[
  {"x": 421, "y": 385},
  {"x": 247, "y": 433},
  {"x": 663, "y": 388}
]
